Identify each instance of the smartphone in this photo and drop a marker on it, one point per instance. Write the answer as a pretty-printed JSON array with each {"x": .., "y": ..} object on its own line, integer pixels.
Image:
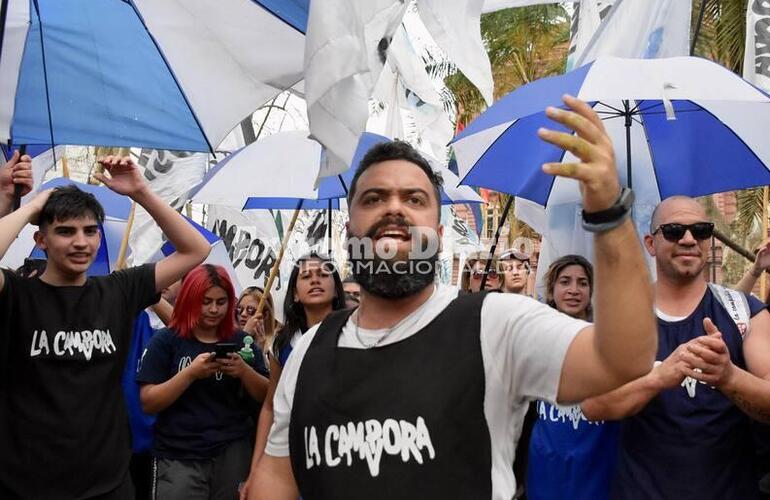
[{"x": 222, "y": 349}]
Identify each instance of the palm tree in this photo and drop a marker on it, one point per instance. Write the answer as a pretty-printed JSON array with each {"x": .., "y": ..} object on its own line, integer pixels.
[
  {"x": 722, "y": 38},
  {"x": 523, "y": 44}
]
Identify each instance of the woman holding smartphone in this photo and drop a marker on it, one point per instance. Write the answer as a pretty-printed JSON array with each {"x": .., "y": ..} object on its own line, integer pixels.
[{"x": 191, "y": 376}]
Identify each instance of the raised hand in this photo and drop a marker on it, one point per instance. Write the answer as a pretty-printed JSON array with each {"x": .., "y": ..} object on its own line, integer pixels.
[
  {"x": 762, "y": 261},
  {"x": 124, "y": 177},
  {"x": 16, "y": 172},
  {"x": 256, "y": 328},
  {"x": 596, "y": 172}
]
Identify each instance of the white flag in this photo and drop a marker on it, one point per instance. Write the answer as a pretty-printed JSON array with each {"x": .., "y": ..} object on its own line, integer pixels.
[
  {"x": 585, "y": 22},
  {"x": 756, "y": 61},
  {"x": 405, "y": 85},
  {"x": 645, "y": 29},
  {"x": 171, "y": 175},
  {"x": 345, "y": 49},
  {"x": 455, "y": 26},
  {"x": 252, "y": 242}
]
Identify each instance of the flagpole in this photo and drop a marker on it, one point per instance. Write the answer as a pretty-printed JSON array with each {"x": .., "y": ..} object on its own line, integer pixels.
[
  {"x": 698, "y": 26},
  {"x": 65, "y": 169},
  {"x": 121, "y": 262},
  {"x": 494, "y": 243},
  {"x": 277, "y": 263}
]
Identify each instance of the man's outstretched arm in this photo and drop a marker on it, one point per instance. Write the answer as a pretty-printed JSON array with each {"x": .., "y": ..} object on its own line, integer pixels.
[
  {"x": 191, "y": 247},
  {"x": 621, "y": 345}
]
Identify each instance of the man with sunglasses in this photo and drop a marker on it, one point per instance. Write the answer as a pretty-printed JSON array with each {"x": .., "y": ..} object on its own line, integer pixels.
[{"x": 688, "y": 432}]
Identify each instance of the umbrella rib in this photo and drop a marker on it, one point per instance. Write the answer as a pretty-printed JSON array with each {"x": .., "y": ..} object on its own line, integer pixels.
[
  {"x": 611, "y": 107},
  {"x": 640, "y": 111}
]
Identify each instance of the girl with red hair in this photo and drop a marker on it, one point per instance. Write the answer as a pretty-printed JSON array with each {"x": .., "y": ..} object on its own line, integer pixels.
[{"x": 205, "y": 404}]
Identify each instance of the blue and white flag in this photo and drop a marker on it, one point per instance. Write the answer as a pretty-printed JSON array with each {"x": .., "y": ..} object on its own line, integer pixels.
[{"x": 646, "y": 29}]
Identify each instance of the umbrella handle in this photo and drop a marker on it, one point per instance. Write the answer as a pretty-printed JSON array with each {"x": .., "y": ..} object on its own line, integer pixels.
[
  {"x": 16, "y": 187},
  {"x": 277, "y": 263}
]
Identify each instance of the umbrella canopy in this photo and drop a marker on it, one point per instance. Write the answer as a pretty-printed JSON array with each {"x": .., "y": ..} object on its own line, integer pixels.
[
  {"x": 163, "y": 74},
  {"x": 279, "y": 172},
  {"x": 680, "y": 126},
  {"x": 116, "y": 209}
]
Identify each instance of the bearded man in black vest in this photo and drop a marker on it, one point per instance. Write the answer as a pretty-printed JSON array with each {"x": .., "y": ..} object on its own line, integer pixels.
[{"x": 420, "y": 393}]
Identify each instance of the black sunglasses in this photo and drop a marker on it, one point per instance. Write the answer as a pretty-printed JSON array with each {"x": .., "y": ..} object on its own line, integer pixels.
[
  {"x": 479, "y": 274},
  {"x": 674, "y": 232}
]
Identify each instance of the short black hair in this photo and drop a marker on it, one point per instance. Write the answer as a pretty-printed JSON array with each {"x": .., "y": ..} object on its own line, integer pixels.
[
  {"x": 70, "y": 202},
  {"x": 396, "y": 150}
]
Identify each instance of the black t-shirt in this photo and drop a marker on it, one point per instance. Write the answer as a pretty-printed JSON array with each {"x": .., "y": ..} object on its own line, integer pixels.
[
  {"x": 63, "y": 426},
  {"x": 210, "y": 413}
]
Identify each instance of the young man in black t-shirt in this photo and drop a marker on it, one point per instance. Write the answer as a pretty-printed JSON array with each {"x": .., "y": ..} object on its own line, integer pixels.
[{"x": 63, "y": 341}]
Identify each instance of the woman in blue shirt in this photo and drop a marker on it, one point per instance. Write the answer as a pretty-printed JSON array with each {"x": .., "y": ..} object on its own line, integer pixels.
[{"x": 569, "y": 456}]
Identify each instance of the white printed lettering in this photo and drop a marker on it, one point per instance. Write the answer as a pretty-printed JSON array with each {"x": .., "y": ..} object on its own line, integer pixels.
[{"x": 369, "y": 440}]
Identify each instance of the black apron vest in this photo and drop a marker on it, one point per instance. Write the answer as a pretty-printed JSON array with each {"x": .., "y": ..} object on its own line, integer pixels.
[{"x": 400, "y": 421}]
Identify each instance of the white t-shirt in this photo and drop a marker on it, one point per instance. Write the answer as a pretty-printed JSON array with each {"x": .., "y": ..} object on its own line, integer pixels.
[{"x": 523, "y": 345}]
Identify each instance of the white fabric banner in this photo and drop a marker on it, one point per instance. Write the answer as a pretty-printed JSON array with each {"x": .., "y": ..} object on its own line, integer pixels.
[
  {"x": 646, "y": 29},
  {"x": 171, "y": 175},
  {"x": 252, "y": 241},
  {"x": 756, "y": 62},
  {"x": 455, "y": 27},
  {"x": 344, "y": 55},
  {"x": 585, "y": 22}
]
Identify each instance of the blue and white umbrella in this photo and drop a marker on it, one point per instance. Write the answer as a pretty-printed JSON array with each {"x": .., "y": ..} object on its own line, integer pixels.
[
  {"x": 680, "y": 126},
  {"x": 163, "y": 74},
  {"x": 116, "y": 210},
  {"x": 279, "y": 172}
]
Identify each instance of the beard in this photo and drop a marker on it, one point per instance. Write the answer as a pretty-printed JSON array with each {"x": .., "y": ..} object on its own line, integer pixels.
[{"x": 397, "y": 277}]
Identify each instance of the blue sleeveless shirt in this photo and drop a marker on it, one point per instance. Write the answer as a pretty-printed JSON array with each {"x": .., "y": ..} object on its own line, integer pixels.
[
  {"x": 690, "y": 441},
  {"x": 570, "y": 457}
]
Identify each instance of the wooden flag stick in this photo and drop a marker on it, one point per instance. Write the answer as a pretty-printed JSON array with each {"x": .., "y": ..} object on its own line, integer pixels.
[
  {"x": 65, "y": 169},
  {"x": 121, "y": 262},
  {"x": 277, "y": 264}
]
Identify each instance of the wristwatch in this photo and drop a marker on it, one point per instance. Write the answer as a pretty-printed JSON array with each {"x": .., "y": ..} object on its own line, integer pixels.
[{"x": 612, "y": 217}]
